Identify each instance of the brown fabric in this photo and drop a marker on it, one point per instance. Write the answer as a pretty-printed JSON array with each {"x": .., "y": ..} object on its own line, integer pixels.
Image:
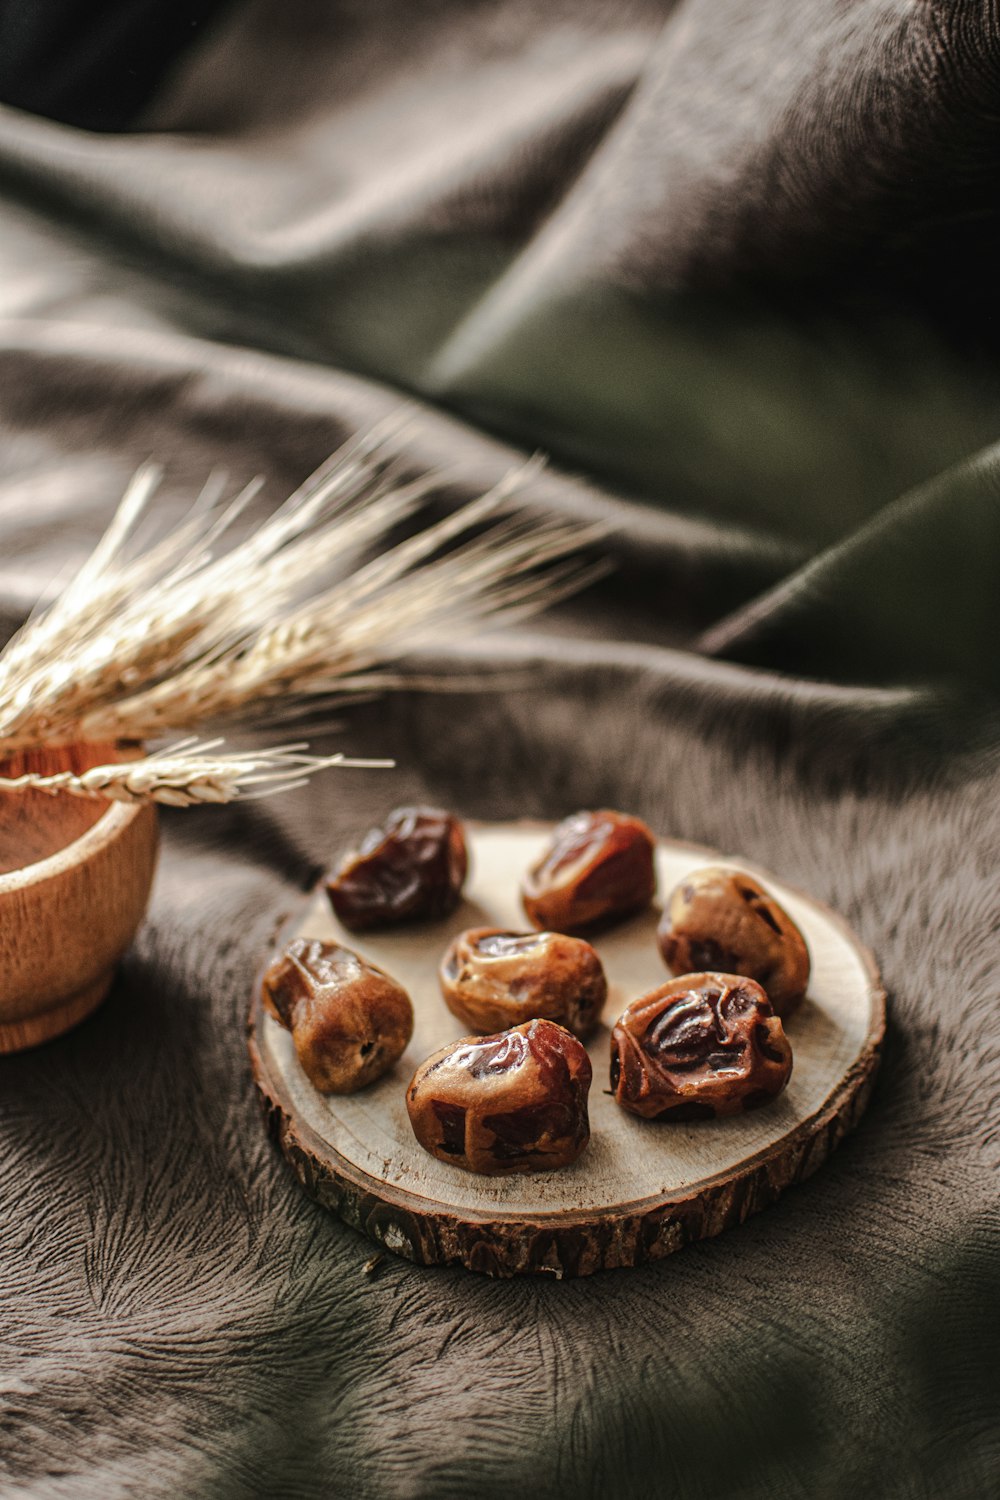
[{"x": 532, "y": 216}]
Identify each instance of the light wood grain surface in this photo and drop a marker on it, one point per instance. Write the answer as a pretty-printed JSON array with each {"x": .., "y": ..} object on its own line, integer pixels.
[{"x": 631, "y": 1166}]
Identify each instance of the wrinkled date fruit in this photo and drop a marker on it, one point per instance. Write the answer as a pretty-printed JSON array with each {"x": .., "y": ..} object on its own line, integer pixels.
[
  {"x": 700, "y": 1045},
  {"x": 515, "y": 1102},
  {"x": 597, "y": 869},
  {"x": 493, "y": 979},
  {"x": 724, "y": 920},
  {"x": 413, "y": 867},
  {"x": 349, "y": 1021}
]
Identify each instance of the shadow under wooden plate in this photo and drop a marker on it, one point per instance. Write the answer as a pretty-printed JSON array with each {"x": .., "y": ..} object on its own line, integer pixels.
[{"x": 642, "y": 1189}]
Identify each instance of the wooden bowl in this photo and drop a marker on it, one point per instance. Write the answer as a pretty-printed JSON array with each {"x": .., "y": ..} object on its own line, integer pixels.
[{"x": 75, "y": 878}]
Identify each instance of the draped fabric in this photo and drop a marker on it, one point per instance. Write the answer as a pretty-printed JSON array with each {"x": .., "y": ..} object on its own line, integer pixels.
[{"x": 732, "y": 266}]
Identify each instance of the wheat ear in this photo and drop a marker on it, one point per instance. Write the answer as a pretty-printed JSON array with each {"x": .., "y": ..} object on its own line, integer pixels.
[
  {"x": 190, "y": 774},
  {"x": 191, "y": 628}
]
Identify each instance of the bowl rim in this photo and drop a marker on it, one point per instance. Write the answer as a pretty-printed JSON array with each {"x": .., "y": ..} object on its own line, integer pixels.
[{"x": 108, "y": 827}]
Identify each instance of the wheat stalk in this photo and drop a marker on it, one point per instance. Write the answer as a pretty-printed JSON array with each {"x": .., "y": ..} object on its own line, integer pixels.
[
  {"x": 150, "y": 640},
  {"x": 189, "y": 774}
]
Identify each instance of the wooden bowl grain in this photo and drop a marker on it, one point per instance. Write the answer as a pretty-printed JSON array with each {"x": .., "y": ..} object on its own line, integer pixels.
[{"x": 75, "y": 878}]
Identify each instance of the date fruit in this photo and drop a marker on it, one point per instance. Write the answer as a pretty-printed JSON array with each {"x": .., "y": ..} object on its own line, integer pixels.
[
  {"x": 492, "y": 979},
  {"x": 411, "y": 868},
  {"x": 514, "y": 1102},
  {"x": 699, "y": 1046},
  {"x": 597, "y": 869},
  {"x": 722, "y": 919},
  {"x": 349, "y": 1021}
]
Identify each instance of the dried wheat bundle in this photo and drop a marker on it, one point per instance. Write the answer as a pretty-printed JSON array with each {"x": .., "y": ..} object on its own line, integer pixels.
[{"x": 162, "y": 635}]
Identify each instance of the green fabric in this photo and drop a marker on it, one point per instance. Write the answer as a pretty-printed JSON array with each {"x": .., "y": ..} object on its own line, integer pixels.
[{"x": 716, "y": 259}]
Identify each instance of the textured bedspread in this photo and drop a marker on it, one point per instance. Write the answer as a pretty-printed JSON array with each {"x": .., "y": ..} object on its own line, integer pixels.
[{"x": 732, "y": 265}]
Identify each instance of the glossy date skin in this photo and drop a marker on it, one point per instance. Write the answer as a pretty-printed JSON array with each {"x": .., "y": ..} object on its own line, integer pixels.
[
  {"x": 410, "y": 869},
  {"x": 349, "y": 1021},
  {"x": 514, "y": 1102},
  {"x": 598, "y": 868},
  {"x": 699, "y": 1046},
  {"x": 492, "y": 979},
  {"x": 723, "y": 919}
]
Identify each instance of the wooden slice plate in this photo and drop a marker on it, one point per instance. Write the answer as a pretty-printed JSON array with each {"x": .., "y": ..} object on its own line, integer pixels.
[{"x": 642, "y": 1189}]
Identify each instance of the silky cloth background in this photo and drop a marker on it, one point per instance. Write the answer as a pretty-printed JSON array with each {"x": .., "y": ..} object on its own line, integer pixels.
[{"x": 732, "y": 265}]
